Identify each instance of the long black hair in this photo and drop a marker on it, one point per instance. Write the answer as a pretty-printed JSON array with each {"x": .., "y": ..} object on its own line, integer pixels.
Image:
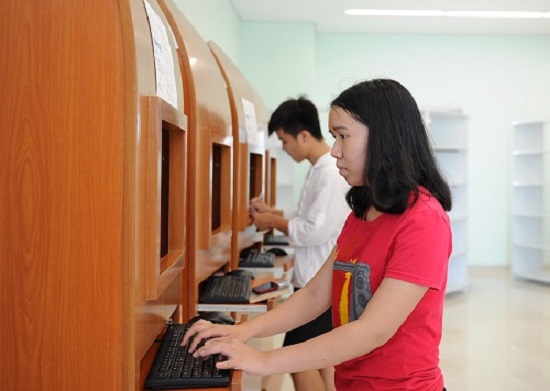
[{"x": 399, "y": 156}]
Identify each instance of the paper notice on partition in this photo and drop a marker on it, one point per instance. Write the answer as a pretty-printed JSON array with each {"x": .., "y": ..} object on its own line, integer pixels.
[
  {"x": 164, "y": 62},
  {"x": 253, "y": 135}
]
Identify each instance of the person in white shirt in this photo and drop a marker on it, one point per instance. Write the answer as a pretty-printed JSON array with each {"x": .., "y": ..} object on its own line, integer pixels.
[{"x": 314, "y": 227}]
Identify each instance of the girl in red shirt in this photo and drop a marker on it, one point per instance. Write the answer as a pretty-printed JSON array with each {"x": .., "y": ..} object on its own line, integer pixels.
[{"x": 387, "y": 274}]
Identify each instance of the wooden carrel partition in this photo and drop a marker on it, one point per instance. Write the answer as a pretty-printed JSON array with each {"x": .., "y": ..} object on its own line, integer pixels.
[
  {"x": 210, "y": 156},
  {"x": 92, "y": 227},
  {"x": 250, "y": 155}
]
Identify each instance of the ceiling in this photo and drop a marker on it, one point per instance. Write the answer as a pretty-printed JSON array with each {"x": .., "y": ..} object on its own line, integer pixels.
[{"x": 328, "y": 16}]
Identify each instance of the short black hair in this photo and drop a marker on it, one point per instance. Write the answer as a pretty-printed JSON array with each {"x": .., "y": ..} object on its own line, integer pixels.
[
  {"x": 399, "y": 155},
  {"x": 295, "y": 115}
]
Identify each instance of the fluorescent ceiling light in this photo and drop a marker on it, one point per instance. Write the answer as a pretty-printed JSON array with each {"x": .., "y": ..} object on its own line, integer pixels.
[
  {"x": 496, "y": 14},
  {"x": 455, "y": 14},
  {"x": 369, "y": 12}
]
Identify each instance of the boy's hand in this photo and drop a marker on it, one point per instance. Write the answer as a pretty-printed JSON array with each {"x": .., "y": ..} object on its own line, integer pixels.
[{"x": 257, "y": 205}]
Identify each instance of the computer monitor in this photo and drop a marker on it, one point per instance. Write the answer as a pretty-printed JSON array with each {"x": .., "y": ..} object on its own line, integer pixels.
[
  {"x": 272, "y": 180},
  {"x": 220, "y": 188},
  {"x": 256, "y": 176},
  {"x": 164, "y": 191},
  {"x": 164, "y": 196}
]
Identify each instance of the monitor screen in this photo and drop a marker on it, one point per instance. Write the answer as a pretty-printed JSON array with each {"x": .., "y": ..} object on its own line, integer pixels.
[
  {"x": 256, "y": 175},
  {"x": 216, "y": 186},
  {"x": 273, "y": 181},
  {"x": 164, "y": 190}
]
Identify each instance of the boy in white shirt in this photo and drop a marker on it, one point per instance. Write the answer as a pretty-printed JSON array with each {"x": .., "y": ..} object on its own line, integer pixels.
[{"x": 314, "y": 227}]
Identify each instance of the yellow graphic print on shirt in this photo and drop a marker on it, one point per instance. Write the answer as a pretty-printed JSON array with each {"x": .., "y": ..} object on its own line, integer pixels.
[
  {"x": 344, "y": 297},
  {"x": 344, "y": 300},
  {"x": 353, "y": 291}
]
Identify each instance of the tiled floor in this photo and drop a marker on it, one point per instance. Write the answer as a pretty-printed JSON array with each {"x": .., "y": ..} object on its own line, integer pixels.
[{"x": 496, "y": 336}]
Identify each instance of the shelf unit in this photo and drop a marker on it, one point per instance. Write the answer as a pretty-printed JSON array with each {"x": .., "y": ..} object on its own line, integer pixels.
[
  {"x": 449, "y": 135},
  {"x": 530, "y": 228}
]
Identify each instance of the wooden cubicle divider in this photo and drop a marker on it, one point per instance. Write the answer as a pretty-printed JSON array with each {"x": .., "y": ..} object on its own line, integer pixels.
[
  {"x": 89, "y": 269},
  {"x": 117, "y": 186},
  {"x": 271, "y": 149},
  {"x": 210, "y": 155},
  {"x": 271, "y": 177},
  {"x": 249, "y": 147}
]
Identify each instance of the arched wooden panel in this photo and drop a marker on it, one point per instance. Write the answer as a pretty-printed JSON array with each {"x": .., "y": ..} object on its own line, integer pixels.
[
  {"x": 211, "y": 148},
  {"x": 249, "y": 120},
  {"x": 75, "y": 312}
]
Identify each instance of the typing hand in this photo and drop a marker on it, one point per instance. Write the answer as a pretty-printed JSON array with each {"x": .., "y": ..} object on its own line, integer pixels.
[
  {"x": 237, "y": 356},
  {"x": 200, "y": 330}
]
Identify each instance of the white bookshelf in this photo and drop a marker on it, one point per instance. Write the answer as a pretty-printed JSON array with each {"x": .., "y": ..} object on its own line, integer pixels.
[
  {"x": 530, "y": 225},
  {"x": 449, "y": 135}
]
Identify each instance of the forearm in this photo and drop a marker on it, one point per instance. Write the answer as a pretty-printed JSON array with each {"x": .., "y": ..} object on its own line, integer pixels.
[
  {"x": 280, "y": 223},
  {"x": 298, "y": 309},
  {"x": 324, "y": 351},
  {"x": 385, "y": 313},
  {"x": 277, "y": 212},
  {"x": 301, "y": 307}
]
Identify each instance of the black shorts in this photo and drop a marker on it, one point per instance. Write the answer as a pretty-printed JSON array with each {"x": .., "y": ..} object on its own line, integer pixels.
[{"x": 321, "y": 325}]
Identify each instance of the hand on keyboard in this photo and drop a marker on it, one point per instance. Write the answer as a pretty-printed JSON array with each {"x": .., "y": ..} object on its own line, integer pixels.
[
  {"x": 202, "y": 330},
  {"x": 175, "y": 367},
  {"x": 236, "y": 355}
]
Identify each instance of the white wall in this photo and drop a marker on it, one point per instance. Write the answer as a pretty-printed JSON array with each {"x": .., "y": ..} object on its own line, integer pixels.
[
  {"x": 493, "y": 79},
  {"x": 279, "y": 60}
]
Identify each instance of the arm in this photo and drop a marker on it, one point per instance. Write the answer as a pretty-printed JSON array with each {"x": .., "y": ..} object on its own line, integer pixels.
[
  {"x": 267, "y": 218},
  {"x": 303, "y": 306},
  {"x": 389, "y": 307},
  {"x": 265, "y": 221}
]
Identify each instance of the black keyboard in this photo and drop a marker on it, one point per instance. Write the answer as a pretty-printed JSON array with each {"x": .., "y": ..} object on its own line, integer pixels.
[
  {"x": 255, "y": 258},
  {"x": 276, "y": 240},
  {"x": 175, "y": 368},
  {"x": 226, "y": 289}
]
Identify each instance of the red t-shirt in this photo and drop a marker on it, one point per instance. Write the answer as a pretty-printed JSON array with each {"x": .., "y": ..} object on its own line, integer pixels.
[{"x": 414, "y": 246}]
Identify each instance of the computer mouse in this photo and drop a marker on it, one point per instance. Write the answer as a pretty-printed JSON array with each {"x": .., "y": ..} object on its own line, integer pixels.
[
  {"x": 241, "y": 272},
  {"x": 217, "y": 317},
  {"x": 277, "y": 251}
]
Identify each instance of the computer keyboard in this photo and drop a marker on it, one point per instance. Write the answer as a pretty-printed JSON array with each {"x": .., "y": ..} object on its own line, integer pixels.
[
  {"x": 255, "y": 258},
  {"x": 226, "y": 289},
  {"x": 276, "y": 240},
  {"x": 175, "y": 367}
]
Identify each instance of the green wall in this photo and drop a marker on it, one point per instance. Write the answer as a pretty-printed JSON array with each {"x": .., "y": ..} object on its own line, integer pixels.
[{"x": 495, "y": 80}]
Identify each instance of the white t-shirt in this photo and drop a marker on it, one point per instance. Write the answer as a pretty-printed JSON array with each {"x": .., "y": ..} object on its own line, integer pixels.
[{"x": 315, "y": 226}]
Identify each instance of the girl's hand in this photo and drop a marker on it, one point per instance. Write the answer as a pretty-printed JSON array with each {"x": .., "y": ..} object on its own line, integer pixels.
[
  {"x": 203, "y": 329},
  {"x": 237, "y": 356}
]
